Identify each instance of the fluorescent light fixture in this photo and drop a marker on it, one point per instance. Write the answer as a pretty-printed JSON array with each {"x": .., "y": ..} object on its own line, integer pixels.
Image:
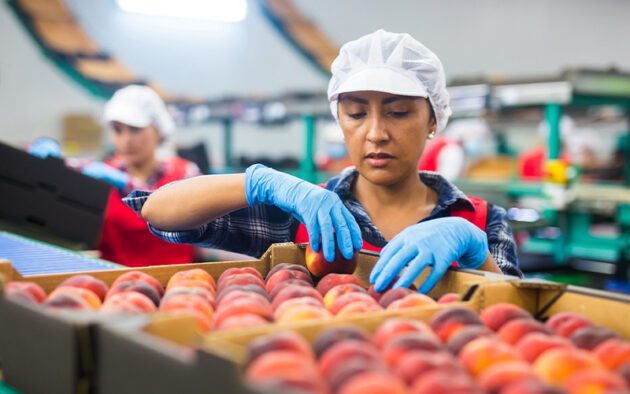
[{"x": 214, "y": 10}]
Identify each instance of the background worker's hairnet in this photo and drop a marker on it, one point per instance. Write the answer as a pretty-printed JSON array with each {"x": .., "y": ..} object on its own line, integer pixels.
[{"x": 393, "y": 63}]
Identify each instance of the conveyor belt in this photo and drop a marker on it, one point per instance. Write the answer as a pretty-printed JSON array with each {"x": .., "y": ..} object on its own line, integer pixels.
[{"x": 30, "y": 257}]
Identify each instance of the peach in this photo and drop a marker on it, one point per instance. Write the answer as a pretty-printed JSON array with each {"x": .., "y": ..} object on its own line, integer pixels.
[
  {"x": 200, "y": 291},
  {"x": 394, "y": 327},
  {"x": 191, "y": 274},
  {"x": 556, "y": 366},
  {"x": 252, "y": 305},
  {"x": 411, "y": 301},
  {"x": 25, "y": 291},
  {"x": 237, "y": 271},
  {"x": 278, "y": 288},
  {"x": 565, "y": 323},
  {"x": 392, "y": 295},
  {"x": 331, "y": 336},
  {"x": 293, "y": 291},
  {"x": 358, "y": 308},
  {"x": 449, "y": 298},
  {"x": 283, "y": 340},
  {"x": 141, "y": 276},
  {"x": 613, "y": 353},
  {"x": 377, "y": 295},
  {"x": 89, "y": 282},
  {"x": 373, "y": 382},
  {"x": 239, "y": 294},
  {"x": 595, "y": 382},
  {"x": 130, "y": 303},
  {"x": 68, "y": 300},
  {"x": 295, "y": 302},
  {"x": 241, "y": 321},
  {"x": 88, "y": 295},
  {"x": 514, "y": 330},
  {"x": 340, "y": 290},
  {"x": 624, "y": 372},
  {"x": 588, "y": 338},
  {"x": 340, "y": 375},
  {"x": 291, "y": 384},
  {"x": 190, "y": 303},
  {"x": 497, "y": 315},
  {"x": 532, "y": 345},
  {"x": 418, "y": 362},
  {"x": 195, "y": 283},
  {"x": 448, "y": 321},
  {"x": 350, "y": 298},
  {"x": 535, "y": 386},
  {"x": 285, "y": 275},
  {"x": 281, "y": 364},
  {"x": 242, "y": 289},
  {"x": 331, "y": 280},
  {"x": 287, "y": 266},
  {"x": 301, "y": 313},
  {"x": 318, "y": 266},
  {"x": 138, "y": 286},
  {"x": 458, "y": 340},
  {"x": 482, "y": 353},
  {"x": 344, "y": 351},
  {"x": 444, "y": 382},
  {"x": 497, "y": 376},
  {"x": 395, "y": 350},
  {"x": 241, "y": 280}
]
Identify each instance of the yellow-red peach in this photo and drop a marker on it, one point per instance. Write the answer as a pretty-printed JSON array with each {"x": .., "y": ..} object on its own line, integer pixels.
[
  {"x": 330, "y": 336},
  {"x": 290, "y": 292},
  {"x": 200, "y": 291},
  {"x": 138, "y": 275},
  {"x": 238, "y": 271},
  {"x": 340, "y": 290},
  {"x": 191, "y": 274},
  {"x": 189, "y": 303},
  {"x": 531, "y": 346},
  {"x": 280, "y": 286},
  {"x": 444, "y": 382},
  {"x": 139, "y": 286},
  {"x": 392, "y": 328},
  {"x": 350, "y": 298},
  {"x": 449, "y": 298},
  {"x": 25, "y": 291},
  {"x": 294, "y": 302},
  {"x": 88, "y": 295},
  {"x": 359, "y": 308},
  {"x": 482, "y": 353},
  {"x": 241, "y": 321},
  {"x": 588, "y": 338},
  {"x": 613, "y": 353},
  {"x": 287, "y": 266},
  {"x": 373, "y": 382},
  {"x": 556, "y": 366},
  {"x": 256, "y": 306},
  {"x": 398, "y": 347},
  {"x": 285, "y": 275},
  {"x": 281, "y": 364},
  {"x": 241, "y": 280},
  {"x": 344, "y": 351},
  {"x": 130, "y": 303},
  {"x": 236, "y": 295},
  {"x": 331, "y": 280},
  {"x": 392, "y": 295},
  {"x": 242, "y": 289},
  {"x": 566, "y": 323},
  {"x": 495, "y": 316},
  {"x": 283, "y": 340},
  {"x": 514, "y": 330},
  {"x": 449, "y": 321},
  {"x": 68, "y": 300},
  {"x": 498, "y": 376},
  {"x": 344, "y": 372},
  {"x": 467, "y": 334},
  {"x": 595, "y": 382},
  {"x": 414, "y": 300},
  {"x": 302, "y": 313},
  {"x": 318, "y": 266},
  {"x": 418, "y": 362},
  {"x": 377, "y": 295},
  {"x": 88, "y": 282},
  {"x": 535, "y": 386}
]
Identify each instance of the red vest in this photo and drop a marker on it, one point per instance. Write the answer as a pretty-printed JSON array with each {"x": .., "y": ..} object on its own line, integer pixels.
[
  {"x": 127, "y": 240},
  {"x": 429, "y": 159}
]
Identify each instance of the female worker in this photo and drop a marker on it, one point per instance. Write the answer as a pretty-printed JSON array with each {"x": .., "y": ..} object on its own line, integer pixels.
[
  {"x": 139, "y": 122},
  {"x": 388, "y": 94}
]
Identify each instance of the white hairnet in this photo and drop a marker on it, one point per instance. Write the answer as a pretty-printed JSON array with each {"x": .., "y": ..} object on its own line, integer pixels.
[
  {"x": 139, "y": 106},
  {"x": 393, "y": 63}
]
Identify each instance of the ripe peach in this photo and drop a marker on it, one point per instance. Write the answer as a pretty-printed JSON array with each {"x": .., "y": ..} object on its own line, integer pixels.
[
  {"x": 449, "y": 298},
  {"x": 340, "y": 290},
  {"x": 394, "y": 351},
  {"x": 373, "y": 382},
  {"x": 514, "y": 330},
  {"x": 138, "y": 286},
  {"x": 498, "y": 376},
  {"x": 480, "y": 354},
  {"x": 358, "y": 308},
  {"x": 458, "y": 340},
  {"x": 588, "y": 338},
  {"x": 532, "y": 345},
  {"x": 301, "y": 313},
  {"x": 344, "y": 351},
  {"x": 295, "y": 292},
  {"x": 340, "y": 375},
  {"x": 278, "y": 288},
  {"x": 613, "y": 353},
  {"x": 318, "y": 266},
  {"x": 350, "y": 298},
  {"x": 556, "y": 366},
  {"x": 191, "y": 274},
  {"x": 565, "y": 323},
  {"x": 287, "y": 266},
  {"x": 242, "y": 289},
  {"x": 236, "y": 295},
  {"x": 237, "y": 271},
  {"x": 535, "y": 386},
  {"x": 200, "y": 291},
  {"x": 25, "y": 291},
  {"x": 444, "y": 382},
  {"x": 190, "y": 303},
  {"x": 418, "y": 362},
  {"x": 129, "y": 303},
  {"x": 281, "y": 364},
  {"x": 448, "y": 321},
  {"x": 88, "y": 295},
  {"x": 394, "y": 327},
  {"x": 295, "y": 302},
  {"x": 241, "y": 321},
  {"x": 392, "y": 295},
  {"x": 68, "y": 300},
  {"x": 595, "y": 382},
  {"x": 624, "y": 372},
  {"x": 283, "y": 340},
  {"x": 377, "y": 295},
  {"x": 253, "y": 305},
  {"x": 331, "y": 280},
  {"x": 497, "y": 315},
  {"x": 285, "y": 275},
  {"x": 411, "y": 301},
  {"x": 241, "y": 280},
  {"x": 89, "y": 282},
  {"x": 330, "y": 336},
  {"x": 141, "y": 276},
  {"x": 291, "y": 384}
]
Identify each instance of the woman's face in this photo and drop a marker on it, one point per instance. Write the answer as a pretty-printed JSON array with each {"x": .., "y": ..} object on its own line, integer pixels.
[
  {"x": 385, "y": 133},
  {"x": 136, "y": 145}
]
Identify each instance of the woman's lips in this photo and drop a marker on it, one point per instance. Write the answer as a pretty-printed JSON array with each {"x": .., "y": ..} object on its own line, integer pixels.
[{"x": 379, "y": 160}]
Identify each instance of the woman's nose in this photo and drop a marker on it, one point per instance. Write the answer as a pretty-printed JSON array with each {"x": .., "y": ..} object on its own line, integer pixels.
[{"x": 377, "y": 131}]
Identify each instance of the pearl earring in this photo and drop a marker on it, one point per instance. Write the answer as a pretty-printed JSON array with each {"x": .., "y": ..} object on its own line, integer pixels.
[{"x": 431, "y": 135}]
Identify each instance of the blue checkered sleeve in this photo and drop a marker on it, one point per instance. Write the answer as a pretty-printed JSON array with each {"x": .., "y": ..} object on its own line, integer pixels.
[
  {"x": 248, "y": 231},
  {"x": 501, "y": 241}
]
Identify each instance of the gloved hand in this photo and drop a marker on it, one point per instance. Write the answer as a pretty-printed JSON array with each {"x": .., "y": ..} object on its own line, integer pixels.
[
  {"x": 321, "y": 210},
  {"x": 102, "y": 171},
  {"x": 44, "y": 147},
  {"x": 435, "y": 243}
]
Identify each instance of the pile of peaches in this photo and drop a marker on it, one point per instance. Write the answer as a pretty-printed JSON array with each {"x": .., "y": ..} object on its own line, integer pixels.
[
  {"x": 503, "y": 350},
  {"x": 240, "y": 298}
]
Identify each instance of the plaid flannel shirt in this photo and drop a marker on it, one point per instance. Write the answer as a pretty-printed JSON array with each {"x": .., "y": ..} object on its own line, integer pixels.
[{"x": 252, "y": 230}]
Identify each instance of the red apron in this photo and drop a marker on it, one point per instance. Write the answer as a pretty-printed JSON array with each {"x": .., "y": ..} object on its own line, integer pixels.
[{"x": 127, "y": 240}]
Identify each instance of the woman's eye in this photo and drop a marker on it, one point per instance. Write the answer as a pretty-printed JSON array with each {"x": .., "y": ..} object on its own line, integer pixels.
[
  {"x": 399, "y": 114},
  {"x": 357, "y": 115}
]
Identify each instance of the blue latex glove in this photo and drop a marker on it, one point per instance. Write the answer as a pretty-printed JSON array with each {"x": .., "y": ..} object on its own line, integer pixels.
[
  {"x": 435, "y": 243},
  {"x": 44, "y": 147},
  {"x": 321, "y": 210},
  {"x": 106, "y": 173}
]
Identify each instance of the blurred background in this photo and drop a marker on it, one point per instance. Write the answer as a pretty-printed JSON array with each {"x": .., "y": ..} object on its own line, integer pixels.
[{"x": 540, "y": 92}]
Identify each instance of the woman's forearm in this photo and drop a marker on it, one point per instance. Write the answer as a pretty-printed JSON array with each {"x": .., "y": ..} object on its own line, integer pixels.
[
  {"x": 490, "y": 265},
  {"x": 193, "y": 202}
]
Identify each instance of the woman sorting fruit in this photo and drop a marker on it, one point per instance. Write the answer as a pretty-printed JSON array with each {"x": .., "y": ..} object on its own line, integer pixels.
[{"x": 389, "y": 96}]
